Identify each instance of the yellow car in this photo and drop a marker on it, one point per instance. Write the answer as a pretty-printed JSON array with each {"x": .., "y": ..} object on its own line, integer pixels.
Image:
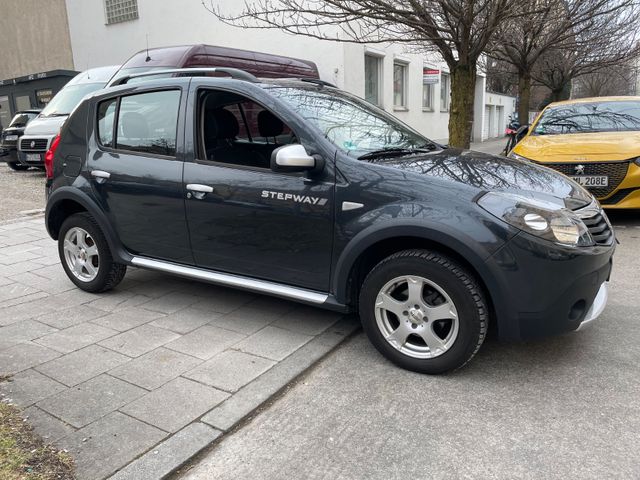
[{"x": 595, "y": 141}]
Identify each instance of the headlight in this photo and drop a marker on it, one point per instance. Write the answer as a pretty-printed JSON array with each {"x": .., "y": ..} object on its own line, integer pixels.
[
  {"x": 515, "y": 156},
  {"x": 637, "y": 161},
  {"x": 541, "y": 218}
]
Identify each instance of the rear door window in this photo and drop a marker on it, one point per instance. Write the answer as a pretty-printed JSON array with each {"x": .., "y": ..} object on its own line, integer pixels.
[{"x": 148, "y": 122}]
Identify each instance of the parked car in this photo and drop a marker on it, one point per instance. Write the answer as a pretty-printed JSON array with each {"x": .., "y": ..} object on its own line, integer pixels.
[
  {"x": 595, "y": 141},
  {"x": 10, "y": 136},
  {"x": 44, "y": 128},
  {"x": 330, "y": 201},
  {"x": 264, "y": 65}
]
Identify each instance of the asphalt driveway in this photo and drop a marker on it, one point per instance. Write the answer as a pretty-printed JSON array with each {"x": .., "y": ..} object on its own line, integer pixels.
[{"x": 566, "y": 407}]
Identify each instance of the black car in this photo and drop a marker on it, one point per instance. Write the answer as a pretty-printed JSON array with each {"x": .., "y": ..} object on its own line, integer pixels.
[
  {"x": 10, "y": 135},
  {"x": 297, "y": 189}
]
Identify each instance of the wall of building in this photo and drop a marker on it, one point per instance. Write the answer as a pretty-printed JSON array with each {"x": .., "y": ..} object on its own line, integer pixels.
[
  {"x": 34, "y": 35},
  {"x": 188, "y": 22},
  {"x": 169, "y": 24}
]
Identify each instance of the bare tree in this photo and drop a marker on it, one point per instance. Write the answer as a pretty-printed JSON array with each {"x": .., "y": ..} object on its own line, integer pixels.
[
  {"x": 591, "y": 62},
  {"x": 616, "y": 80},
  {"x": 546, "y": 27},
  {"x": 458, "y": 29}
]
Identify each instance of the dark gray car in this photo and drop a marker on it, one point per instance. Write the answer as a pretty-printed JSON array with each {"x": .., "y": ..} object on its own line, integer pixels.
[{"x": 300, "y": 190}]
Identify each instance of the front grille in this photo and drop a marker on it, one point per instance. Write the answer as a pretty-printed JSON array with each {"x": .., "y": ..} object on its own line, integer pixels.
[
  {"x": 616, "y": 171},
  {"x": 599, "y": 229},
  {"x": 34, "y": 144}
]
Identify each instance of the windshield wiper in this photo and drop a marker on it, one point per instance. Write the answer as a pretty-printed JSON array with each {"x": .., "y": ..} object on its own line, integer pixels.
[
  {"x": 56, "y": 114},
  {"x": 397, "y": 152}
]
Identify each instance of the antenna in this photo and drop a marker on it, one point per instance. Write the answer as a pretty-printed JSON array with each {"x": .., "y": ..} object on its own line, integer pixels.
[{"x": 148, "y": 59}]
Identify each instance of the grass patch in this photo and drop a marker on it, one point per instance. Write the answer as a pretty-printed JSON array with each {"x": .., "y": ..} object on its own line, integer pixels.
[{"x": 24, "y": 455}]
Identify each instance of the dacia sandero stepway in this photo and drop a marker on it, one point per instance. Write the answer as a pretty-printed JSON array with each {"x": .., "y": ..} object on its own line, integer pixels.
[{"x": 297, "y": 189}]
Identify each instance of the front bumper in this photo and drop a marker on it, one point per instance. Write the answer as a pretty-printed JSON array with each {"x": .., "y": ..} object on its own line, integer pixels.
[
  {"x": 597, "y": 307},
  {"x": 543, "y": 289}
]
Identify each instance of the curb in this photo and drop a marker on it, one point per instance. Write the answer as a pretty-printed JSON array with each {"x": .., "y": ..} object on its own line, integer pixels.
[{"x": 169, "y": 455}]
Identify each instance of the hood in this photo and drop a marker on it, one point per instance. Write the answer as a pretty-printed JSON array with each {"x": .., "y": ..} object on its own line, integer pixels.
[
  {"x": 45, "y": 125},
  {"x": 486, "y": 172},
  {"x": 580, "y": 147}
]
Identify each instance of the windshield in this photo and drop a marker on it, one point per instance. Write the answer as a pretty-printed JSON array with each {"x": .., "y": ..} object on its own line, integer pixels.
[
  {"x": 621, "y": 116},
  {"x": 21, "y": 119},
  {"x": 68, "y": 98},
  {"x": 352, "y": 124}
]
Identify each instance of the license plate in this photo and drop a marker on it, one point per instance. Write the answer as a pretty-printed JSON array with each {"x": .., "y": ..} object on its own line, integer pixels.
[
  {"x": 11, "y": 138},
  {"x": 592, "y": 180},
  {"x": 33, "y": 157}
]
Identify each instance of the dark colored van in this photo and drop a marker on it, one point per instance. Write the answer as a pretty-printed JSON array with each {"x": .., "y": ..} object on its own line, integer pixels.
[{"x": 263, "y": 65}]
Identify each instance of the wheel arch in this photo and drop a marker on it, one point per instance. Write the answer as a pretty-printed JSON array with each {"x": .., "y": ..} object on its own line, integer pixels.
[
  {"x": 362, "y": 254},
  {"x": 65, "y": 202}
]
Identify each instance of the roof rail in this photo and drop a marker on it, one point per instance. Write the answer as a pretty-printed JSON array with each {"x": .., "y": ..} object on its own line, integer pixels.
[
  {"x": 317, "y": 81},
  {"x": 232, "y": 72}
]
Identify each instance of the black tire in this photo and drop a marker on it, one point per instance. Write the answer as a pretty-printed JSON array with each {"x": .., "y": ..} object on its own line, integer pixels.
[
  {"x": 18, "y": 167},
  {"x": 459, "y": 285},
  {"x": 109, "y": 273}
]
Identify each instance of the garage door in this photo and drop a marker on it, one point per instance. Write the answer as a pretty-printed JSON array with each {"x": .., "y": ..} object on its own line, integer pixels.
[{"x": 487, "y": 121}]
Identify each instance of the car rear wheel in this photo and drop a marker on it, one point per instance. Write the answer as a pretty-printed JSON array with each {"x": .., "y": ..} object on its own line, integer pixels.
[
  {"x": 17, "y": 166},
  {"x": 423, "y": 311},
  {"x": 85, "y": 255}
]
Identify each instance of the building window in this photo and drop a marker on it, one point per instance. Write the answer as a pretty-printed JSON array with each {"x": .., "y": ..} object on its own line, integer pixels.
[
  {"x": 373, "y": 79},
  {"x": 445, "y": 92},
  {"x": 117, "y": 11},
  {"x": 400, "y": 85},
  {"x": 427, "y": 96}
]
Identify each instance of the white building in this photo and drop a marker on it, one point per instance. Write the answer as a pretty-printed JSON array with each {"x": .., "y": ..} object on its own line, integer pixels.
[{"x": 106, "y": 32}]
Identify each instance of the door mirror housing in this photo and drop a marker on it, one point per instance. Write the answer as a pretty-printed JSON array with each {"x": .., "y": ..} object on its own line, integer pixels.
[
  {"x": 522, "y": 132},
  {"x": 292, "y": 158}
]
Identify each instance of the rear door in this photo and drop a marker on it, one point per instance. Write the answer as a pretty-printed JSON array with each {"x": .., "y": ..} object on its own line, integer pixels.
[{"x": 136, "y": 171}]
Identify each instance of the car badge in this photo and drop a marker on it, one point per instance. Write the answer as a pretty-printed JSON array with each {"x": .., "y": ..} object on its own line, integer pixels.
[
  {"x": 32, "y": 144},
  {"x": 579, "y": 169}
]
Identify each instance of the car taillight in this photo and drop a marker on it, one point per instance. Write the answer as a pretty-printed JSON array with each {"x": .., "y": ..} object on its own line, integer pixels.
[{"x": 48, "y": 157}]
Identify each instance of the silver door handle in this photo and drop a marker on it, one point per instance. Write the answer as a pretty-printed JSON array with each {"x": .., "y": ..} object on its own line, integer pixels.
[
  {"x": 196, "y": 187},
  {"x": 100, "y": 174}
]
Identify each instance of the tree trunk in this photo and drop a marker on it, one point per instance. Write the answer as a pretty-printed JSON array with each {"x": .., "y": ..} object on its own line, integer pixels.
[
  {"x": 561, "y": 93},
  {"x": 463, "y": 87},
  {"x": 524, "y": 93}
]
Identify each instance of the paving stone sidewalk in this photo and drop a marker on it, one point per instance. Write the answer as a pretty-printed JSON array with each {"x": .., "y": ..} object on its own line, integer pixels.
[{"x": 135, "y": 381}]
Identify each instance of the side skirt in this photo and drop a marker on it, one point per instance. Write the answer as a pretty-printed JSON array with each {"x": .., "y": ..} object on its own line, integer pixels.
[{"x": 302, "y": 295}]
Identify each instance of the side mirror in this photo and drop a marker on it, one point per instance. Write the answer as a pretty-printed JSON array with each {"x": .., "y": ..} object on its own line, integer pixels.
[
  {"x": 292, "y": 158},
  {"x": 521, "y": 132}
]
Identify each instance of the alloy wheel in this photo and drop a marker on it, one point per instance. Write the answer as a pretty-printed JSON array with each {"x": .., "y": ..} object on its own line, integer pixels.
[
  {"x": 416, "y": 316},
  {"x": 81, "y": 254}
]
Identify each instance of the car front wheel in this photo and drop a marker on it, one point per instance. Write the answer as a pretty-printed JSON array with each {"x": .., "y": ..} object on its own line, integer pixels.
[
  {"x": 85, "y": 255},
  {"x": 423, "y": 311}
]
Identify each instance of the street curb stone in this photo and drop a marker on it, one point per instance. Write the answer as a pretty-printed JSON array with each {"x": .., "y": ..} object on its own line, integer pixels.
[{"x": 169, "y": 455}]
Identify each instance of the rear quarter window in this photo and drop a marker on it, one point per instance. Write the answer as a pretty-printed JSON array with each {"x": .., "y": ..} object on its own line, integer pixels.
[{"x": 106, "y": 121}]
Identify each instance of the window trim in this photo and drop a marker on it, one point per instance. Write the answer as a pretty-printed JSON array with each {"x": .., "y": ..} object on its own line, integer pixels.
[
  {"x": 405, "y": 86},
  {"x": 199, "y": 131},
  {"x": 119, "y": 98}
]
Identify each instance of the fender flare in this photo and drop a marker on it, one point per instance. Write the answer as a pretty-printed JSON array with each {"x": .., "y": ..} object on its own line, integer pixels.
[
  {"x": 469, "y": 249},
  {"x": 80, "y": 197}
]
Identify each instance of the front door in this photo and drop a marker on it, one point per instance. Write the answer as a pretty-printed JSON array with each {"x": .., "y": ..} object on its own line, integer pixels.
[
  {"x": 137, "y": 175},
  {"x": 253, "y": 221}
]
